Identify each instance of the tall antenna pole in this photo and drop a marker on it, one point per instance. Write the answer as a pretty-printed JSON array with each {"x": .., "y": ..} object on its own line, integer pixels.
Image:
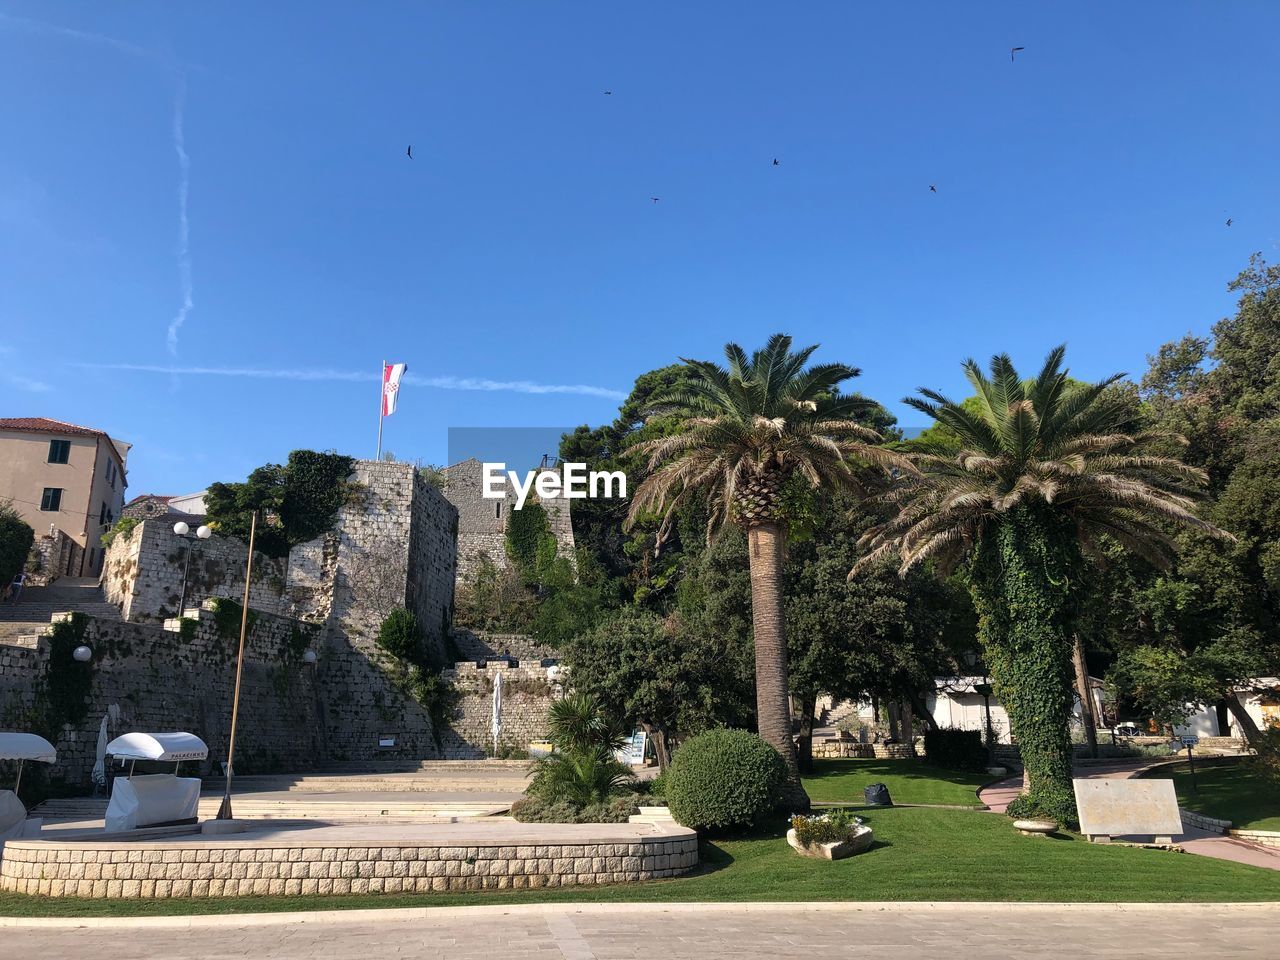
[
  {"x": 382, "y": 399},
  {"x": 224, "y": 811}
]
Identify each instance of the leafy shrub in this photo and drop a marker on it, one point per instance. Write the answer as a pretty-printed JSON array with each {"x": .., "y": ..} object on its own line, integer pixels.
[
  {"x": 401, "y": 636},
  {"x": 1047, "y": 804},
  {"x": 123, "y": 528},
  {"x": 539, "y": 810},
  {"x": 833, "y": 827},
  {"x": 724, "y": 779},
  {"x": 579, "y": 777},
  {"x": 576, "y": 722},
  {"x": 16, "y": 538},
  {"x": 658, "y": 786},
  {"x": 955, "y": 749}
]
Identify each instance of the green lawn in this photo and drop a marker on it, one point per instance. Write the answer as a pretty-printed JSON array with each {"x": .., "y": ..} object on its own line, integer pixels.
[
  {"x": 921, "y": 854},
  {"x": 909, "y": 781},
  {"x": 1229, "y": 793}
]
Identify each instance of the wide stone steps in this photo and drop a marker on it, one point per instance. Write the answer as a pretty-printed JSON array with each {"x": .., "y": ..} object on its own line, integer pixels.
[
  {"x": 37, "y": 606},
  {"x": 389, "y": 783},
  {"x": 245, "y": 806}
]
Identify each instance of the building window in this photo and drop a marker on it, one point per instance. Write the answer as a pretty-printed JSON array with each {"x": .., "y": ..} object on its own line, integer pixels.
[
  {"x": 59, "y": 451},
  {"x": 102, "y": 514},
  {"x": 111, "y": 473},
  {"x": 52, "y": 499},
  {"x": 497, "y": 510}
]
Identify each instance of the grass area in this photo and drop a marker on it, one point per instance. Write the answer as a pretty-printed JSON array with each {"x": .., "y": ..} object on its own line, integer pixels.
[
  {"x": 1228, "y": 792},
  {"x": 920, "y": 854},
  {"x": 909, "y": 781}
]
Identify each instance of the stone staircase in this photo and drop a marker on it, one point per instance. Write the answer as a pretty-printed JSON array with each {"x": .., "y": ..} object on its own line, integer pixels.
[
  {"x": 247, "y": 806},
  {"x": 31, "y": 615}
]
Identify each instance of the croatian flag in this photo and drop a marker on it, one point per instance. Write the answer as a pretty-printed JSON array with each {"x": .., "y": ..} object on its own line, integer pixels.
[{"x": 391, "y": 374}]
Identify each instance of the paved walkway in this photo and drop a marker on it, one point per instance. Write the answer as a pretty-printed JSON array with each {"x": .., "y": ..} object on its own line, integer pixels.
[
  {"x": 683, "y": 932},
  {"x": 1194, "y": 840}
]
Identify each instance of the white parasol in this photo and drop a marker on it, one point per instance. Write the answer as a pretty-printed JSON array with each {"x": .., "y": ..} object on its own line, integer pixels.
[
  {"x": 100, "y": 764},
  {"x": 497, "y": 711}
]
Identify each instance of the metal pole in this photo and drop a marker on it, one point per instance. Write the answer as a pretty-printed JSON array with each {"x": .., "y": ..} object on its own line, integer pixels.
[
  {"x": 224, "y": 810},
  {"x": 382, "y": 399},
  {"x": 186, "y": 569},
  {"x": 19, "y": 782},
  {"x": 1191, "y": 765}
]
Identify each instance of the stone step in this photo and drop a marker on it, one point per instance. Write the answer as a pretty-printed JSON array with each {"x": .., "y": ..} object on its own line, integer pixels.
[{"x": 247, "y": 807}]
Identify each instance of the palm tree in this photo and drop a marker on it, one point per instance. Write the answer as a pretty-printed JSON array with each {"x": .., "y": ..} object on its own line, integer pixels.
[
  {"x": 744, "y": 433},
  {"x": 1048, "y": 470}
]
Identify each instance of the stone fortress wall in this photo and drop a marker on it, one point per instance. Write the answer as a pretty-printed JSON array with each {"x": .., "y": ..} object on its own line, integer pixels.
[
  {"x": 392, "y": 544},
  {"x": 482, "y": 523}
]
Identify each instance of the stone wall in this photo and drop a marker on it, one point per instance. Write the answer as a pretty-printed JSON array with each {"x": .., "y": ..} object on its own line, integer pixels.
[
  {"x": 54, "y": 556},
  {"x": 142, "y": 573},
  {"x": 482, "y": 522},
  {"x": 392, "y": 545},
  {"x": 527, "y": 695},
  {"x": 149, "y": 678},
  {"x": 179, "y": 867},
  {"x": 481, "y": 645}
]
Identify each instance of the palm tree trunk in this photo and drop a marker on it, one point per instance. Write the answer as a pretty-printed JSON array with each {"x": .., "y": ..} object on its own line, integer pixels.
[{"x": 773, "y": 709}]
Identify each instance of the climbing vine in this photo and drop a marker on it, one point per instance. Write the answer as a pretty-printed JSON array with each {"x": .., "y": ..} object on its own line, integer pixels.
[
  {"x": 1021, "y": 575},
  {"x": 66, "y": 684}
]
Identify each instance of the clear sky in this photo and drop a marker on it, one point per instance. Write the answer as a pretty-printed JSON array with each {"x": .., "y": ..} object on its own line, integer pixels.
[{"x": 249, "y": 158}]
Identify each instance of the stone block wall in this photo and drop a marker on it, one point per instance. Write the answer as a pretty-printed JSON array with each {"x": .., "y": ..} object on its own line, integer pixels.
[
  {"x": 152, "y": 679},
  {"x": 142, "y": 573},
  {"x": 527, "y": 695},
  {"x": 54, "y": 556},
  {"x": 183, "y": 867},
  {"x": 480, "y": 645},
  {"x": 392, "y": 545},
  {"x": 482, "y": 522}
]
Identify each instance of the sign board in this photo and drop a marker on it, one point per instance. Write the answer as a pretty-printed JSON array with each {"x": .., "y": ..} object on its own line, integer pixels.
[
  {"x": 1125, "y": 808},
  {"x": 1189, "y": 741},
  {"x": 632, "y": 753},
  {"x": 386, "y": 741}
]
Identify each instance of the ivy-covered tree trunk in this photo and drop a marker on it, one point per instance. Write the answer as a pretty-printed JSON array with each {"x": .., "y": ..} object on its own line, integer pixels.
[
  {"x": 1021, "y": 588},
  {"x": 773, "y": 707}
]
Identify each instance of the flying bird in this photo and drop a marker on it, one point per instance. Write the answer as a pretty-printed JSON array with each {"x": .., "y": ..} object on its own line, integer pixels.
[
  {"x": 1012, "y": 51},
  {"x": 775, "y": 161},
  {"x": 1228, "y": 221},
  {"x": 409, "y": 152},
  {"x": 655, "y": 199},
  {"x": 608, "y": 93},
  {"x": 933, "y": 188}
]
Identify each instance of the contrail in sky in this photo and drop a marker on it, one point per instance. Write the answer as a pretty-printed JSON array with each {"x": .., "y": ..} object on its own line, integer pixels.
[
  {"x": 322, "y": 375},
  {"x": 184, "y": 227},
  {"x": 49, "y": 29}
]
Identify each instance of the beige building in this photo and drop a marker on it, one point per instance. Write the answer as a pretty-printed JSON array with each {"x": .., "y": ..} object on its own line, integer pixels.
[{"x": 62, "y": 477}]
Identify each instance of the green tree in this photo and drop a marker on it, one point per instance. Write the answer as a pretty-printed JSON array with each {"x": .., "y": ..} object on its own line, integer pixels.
[
  {"x": 16, "y": 538},
  {"x": 1211, "y": 623},
  {"x": 296, "y": 502},
  {"x": 744, "y": 433},
  {"x": 1047, "y": 473},
  {"x": 656, "y": 673}
]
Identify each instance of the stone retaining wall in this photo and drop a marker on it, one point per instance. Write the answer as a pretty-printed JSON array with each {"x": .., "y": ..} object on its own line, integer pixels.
[
  {"x": 206, "y": 869},
  {"x": 527, "y": 695},
  {"x": 1266, "y": 838},
  {"x": 1192, "y": 819}
]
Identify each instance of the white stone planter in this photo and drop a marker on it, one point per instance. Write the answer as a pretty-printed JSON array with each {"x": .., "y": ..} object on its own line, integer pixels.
[
  {"x": 1036, "y": 828},
  {"x": 861, "y": 840}
]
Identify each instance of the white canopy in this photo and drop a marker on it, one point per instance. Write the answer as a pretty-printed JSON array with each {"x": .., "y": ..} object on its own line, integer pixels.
[
  {"x": 26, "y": 746},
  {"x": 158, "y": 746}
]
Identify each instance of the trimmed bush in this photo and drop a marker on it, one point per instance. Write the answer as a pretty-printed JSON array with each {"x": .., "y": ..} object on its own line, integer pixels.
[
  {"x": 955, "y": 749},
  {"x": 401, "y": 636},
  {"x": 724, "y": 779}
]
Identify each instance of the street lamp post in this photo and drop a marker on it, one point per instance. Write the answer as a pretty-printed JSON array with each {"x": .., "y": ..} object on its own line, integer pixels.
[
  {"x": 984, "y": 689},
  {"x": 183, "y": 530}
]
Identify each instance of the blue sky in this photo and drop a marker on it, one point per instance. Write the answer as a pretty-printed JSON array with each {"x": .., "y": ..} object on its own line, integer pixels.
[{"x": 518, "y": 265}]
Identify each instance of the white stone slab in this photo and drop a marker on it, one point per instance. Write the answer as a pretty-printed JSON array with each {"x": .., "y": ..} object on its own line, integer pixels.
[{"x": 1122, "y": 808}]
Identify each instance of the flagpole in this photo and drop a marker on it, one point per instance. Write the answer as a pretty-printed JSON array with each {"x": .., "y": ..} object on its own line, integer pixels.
[
  {"x": 224, "y": 809},
  {"x": 382, "y": 400}
]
